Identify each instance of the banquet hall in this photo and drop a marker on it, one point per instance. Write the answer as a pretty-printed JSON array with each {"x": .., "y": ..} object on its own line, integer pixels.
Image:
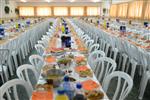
[{"x": 74, "y": 49}]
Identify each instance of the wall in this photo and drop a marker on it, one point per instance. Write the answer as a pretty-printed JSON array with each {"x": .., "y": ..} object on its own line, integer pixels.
[
  {"x": 120, "y": 1},
  {"x": 12, "y": 5},
  {"x": 58, "y": 4}
]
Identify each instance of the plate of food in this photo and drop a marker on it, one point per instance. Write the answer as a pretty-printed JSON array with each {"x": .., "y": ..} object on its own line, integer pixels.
[
  {"x": 50, "y": 59},
  {"x": 90, "y": 85},
  {"x": 48, "y": 67},
  {"x": 53, "y": 76},
  {"x": 42, "y": 95},
  {"x": 57, "y": 51},
  {"x": 80, "y": 60},
  {"x": 84, "y": 71},
  {"x": 64, "y": 62},
  {"x": 94, "y": 95}
]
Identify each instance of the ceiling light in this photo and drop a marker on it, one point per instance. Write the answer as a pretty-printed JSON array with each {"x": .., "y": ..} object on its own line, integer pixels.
[
  {"x": 96, "y": 0},
  {"x": 71, "y": 0},
  {"x": 48, "y": 0},
  {"x": 23, "y": 1}
]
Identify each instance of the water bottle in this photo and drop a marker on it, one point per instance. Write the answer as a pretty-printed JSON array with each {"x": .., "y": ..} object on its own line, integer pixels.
[
  {"x": 68, "y": 87},
  {"x": 61, "y": 95},
  {"x": 79, "y": 93},
  {"x": 2, "y": 33}
]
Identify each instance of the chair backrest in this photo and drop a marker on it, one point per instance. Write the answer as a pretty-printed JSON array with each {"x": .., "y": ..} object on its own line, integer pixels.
[
  {"x": 6, "y": 88},
  {"x": 103, "y": 67},
  {"x": 40, "y": 49},
  {"x": 23, "y": 73},
  {"x": 36, "y": 61},
  {"x": 93, "y": 56},
  {"x": 124, "y": 61},
  {"x": 86, "y": 39},
  {"x": 89, "y": 43},
  {"x": 42, "y": 43},
  {"x": 114, "y": 53},
  {"x": 4, "y": 54},
  {"x": 106, "y": 50},
  {"x": 131, "y": 68},
  {"x": 93, "y": 47},
  {"x": 123, "y": 88}
]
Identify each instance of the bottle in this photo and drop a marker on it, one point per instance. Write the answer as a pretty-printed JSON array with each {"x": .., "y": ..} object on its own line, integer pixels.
[
  {"x": 61, "y": 95},
  {"x": 68, "y": 87},
  {"x": 79, "y": 93}
]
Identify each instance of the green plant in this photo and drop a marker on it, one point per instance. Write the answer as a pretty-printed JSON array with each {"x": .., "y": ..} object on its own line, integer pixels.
[
  {"x": 17, "y": 11},
  {"x": 7, "y": 9},
  {"x": 104, "y": 10}
]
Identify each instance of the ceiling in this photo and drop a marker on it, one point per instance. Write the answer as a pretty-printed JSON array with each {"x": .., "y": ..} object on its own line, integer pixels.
[{"x": 58, "y": 0}]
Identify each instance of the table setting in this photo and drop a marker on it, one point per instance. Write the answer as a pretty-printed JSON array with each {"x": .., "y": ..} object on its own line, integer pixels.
[{"x": 66, "y": 74}]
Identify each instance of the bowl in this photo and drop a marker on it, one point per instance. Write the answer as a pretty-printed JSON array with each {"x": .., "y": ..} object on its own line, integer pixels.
[{"x": 54, "y": 76}]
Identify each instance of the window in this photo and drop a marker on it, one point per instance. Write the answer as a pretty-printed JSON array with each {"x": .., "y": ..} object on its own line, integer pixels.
[
  {"x": 77, "y": 11},
  {"x": 135, "y": 9},
  {"x": 147, "y": 10},
  {"x": 113, "y": 11},
  {"x": 60, "y": 11},
  {"x": 26, "y": 11},
  {"x": 43, "y": 11},
  {"x": 122, "y": 10},
  {"x": 93, "y": 11}
]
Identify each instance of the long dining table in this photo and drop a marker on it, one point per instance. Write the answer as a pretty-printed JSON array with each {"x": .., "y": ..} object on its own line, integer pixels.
[
  {"x": 55, "y": 42},
  {"x": 124, "y": 45}
]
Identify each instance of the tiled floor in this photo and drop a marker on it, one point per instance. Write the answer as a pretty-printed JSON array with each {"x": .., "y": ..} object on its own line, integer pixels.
[{"x": 132, "y": 96}]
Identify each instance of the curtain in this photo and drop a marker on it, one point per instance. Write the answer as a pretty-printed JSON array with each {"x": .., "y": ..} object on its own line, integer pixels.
[
  {"x": 77, "y": 11},
  {"x": 113, "y": 11},
  {"x": 93, "y": 11},
  {"x": 43, "y": 11},
  {"x": 147, "y": 11},
  {"x": 60, "y": 11},
  {"x": 135, "y": 9},
  {"x": 26, "y": 11},
  {"x": 122, "y": 10}
]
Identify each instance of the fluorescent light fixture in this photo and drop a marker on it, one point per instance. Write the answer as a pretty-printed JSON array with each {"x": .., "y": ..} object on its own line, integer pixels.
[
  {"x": 48, "y": 0},
  {"x": 23, "y": 1},
  {"x": 96, "y": 0},
  {"x": 71, "y": 0}
]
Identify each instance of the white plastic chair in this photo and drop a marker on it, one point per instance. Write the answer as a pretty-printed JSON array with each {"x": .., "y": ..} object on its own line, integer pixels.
[
  {"x": 120, "y": 93},
  {"x": 106, "y": 50},
  {"x": 131, "y": 68},
  {"x": 43, "y": 43},
  {"x": 5, "y": 89},
  {"x": 144, "y": 81},
  {"x": 93, "y": 56},
  {"x": 40, "y": 49},
  {"x": 23, "y": 73},
  {"x": 36, "y": 61},
  {"x": 114, "y": 53},
  {"x": 89, "y": 43},
  {"x": 4, "y": 53},
  {"x": 86, "y": 39},
  {"x": 93, "y": 47},
  {"x": 122, "y": 61},
  {"x": 103, "y": 67}
]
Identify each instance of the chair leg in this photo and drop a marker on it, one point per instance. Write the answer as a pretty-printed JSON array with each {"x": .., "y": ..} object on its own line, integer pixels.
[
  {"x": 10, "y": 67},
  {"x": 143, "y": 86},
  {"x": 15, "y": 61},
  {"x": 6, "y": 75},
  {"x": 2, "y": 77}
]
